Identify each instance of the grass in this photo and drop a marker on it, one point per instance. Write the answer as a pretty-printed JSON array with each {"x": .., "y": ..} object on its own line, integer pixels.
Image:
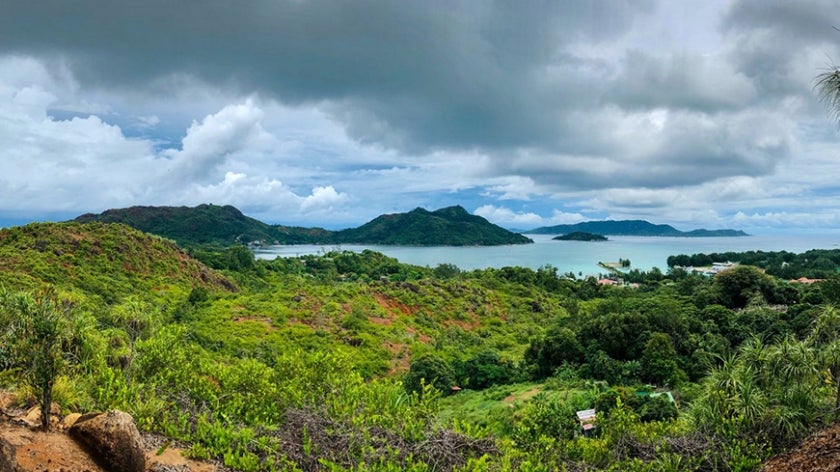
[{"x": 495, "y": 408}]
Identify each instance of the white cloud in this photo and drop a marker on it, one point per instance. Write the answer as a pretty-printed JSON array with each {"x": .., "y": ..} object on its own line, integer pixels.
[
  {"x": 323, "y": 198},
  {"x": 672, "y": 116},
  {"x": 814, "y": 221},
  {"x": 506, "y": 217},
  {"x": 216, "y": 139}
]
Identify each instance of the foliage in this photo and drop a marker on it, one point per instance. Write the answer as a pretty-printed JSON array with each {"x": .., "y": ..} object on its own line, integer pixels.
[
  {"x": 38, "y": 339},
  {"x": 558, "y": 347},
  {"x": 452, "y": 226},
  {"x": 827, "y": 85},
  {"x": 816, "y": 263},
  {"x": 738, "y": 286},
  {"x": 345, "y": 361},
  {"x": 580, "y": 236},
  {"x": 429, "y": 369},
  {"x": 222, "y": 226},
  {"x": 659, "y": 361},
  {"x": 204, "y": 225}
]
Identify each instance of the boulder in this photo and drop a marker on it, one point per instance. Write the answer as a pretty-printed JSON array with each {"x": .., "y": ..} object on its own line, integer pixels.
[
  {"x": 69, "y": 421},
  {"x": 8, "y": 463},
  {"x": 112, "y": 439}
]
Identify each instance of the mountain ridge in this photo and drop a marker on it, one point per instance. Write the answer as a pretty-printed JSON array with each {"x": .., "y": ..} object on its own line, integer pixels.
[
  {"x": 633, "y": 228},
  {"x": 449, "y": 226},
  {"x": 225, "y": 225}
]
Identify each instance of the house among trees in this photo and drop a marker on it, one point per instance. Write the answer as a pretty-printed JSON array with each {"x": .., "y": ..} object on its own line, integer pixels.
[{"x": 587, "y": 421}]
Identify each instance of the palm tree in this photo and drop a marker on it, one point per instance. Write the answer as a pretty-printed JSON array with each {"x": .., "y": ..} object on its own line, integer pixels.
[
  {"x": 825, "y": 337},
  {"x": 827, "y": 86},
  {"x": 38, "y": 334}
]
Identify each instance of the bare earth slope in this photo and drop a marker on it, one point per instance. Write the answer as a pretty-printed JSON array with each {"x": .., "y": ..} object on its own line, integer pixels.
[
  {"x": 818, "y": 453},
  {"x": 55, "y": 451}
]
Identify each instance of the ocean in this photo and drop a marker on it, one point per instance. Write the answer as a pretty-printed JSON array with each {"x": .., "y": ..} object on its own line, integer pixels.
[{"x": 644, "y": 253}]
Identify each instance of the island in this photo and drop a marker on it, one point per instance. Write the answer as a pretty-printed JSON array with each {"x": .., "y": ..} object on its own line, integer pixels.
[
  {"x": 580, "y": 236},
  {"x": 225, "y": 225},
  {"x": 634, "y": 228}
]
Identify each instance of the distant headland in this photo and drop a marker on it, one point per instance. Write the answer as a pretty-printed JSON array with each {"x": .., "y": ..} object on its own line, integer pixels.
[{"x": 634, "y": 228}]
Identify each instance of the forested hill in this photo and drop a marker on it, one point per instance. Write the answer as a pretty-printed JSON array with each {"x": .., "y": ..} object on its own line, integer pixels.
[
  {"x": 206, "y": 224},
  {"x": 633, "y": 228},
  {"x": 106, "y": 261},
  {"x": 225, "y": 225},
  {"x": 451, "y": 226}
]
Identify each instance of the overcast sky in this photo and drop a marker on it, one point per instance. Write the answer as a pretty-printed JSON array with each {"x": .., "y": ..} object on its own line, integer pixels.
[{"x": 331, "y": 112}]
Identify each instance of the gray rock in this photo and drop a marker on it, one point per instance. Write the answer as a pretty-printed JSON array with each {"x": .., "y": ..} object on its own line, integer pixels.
[
  {"x": 8, "y": 462},
  {"x": 112, "y": 439}
]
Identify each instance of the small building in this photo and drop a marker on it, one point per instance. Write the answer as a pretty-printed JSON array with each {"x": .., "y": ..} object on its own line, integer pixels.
[{"x": 587, "y": 420}]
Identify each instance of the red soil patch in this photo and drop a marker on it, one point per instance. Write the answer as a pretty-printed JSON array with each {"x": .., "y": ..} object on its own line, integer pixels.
[
  {"x": 381, "y": 321},
  {"x": 471, "y": 325},
  {"x": 393, "y": 306},
  {"x": 420, "y": 336},
  {"x": 399, "y": 365}
]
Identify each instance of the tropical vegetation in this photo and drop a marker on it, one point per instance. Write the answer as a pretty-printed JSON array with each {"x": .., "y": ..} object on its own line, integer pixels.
[
  {"x": 220, "y": 226},
  {"x": 354, "y": 361}
]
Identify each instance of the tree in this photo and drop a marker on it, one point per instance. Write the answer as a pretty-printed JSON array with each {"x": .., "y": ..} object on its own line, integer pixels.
[
  {"x": 134, "y": 317},
  {"x": 487, "y": 369},
  {"x": 446, "y": 271},
  {"x": 659, "y": 361},
  {"x": 764, "y": 392},
  {"x": 559, "y": 346},
  {"x": 429, "y": 369},
  {"x": 38, "y": 335},
  {"x": 827, "y": 86},
  {"x": 737, "y": 286},
  {"x": 825, "y": 337}
]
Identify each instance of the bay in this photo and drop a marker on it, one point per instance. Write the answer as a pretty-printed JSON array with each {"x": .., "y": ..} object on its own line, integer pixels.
[{"x": 643, "y": 252}]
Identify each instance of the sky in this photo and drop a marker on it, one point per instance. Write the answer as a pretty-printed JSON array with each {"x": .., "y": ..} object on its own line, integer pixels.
[{"x": 331, "y": 112}]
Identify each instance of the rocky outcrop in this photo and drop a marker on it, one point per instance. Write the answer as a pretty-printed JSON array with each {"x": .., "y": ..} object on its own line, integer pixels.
[
  {"x": 8, "y": 463},
  {"x": 112, "y": 439}
]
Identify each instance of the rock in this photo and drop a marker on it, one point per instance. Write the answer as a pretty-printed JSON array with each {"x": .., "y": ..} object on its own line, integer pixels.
[
  {"x": 112, "y": 439},
  {"x": 32, "y": 417},
  {"x": 69, "y": 421},
  {"x": 8, "y": 463},
  {"x": 7, "y": 400}
]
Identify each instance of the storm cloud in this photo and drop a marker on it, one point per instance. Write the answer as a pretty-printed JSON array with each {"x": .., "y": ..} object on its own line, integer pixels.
[{"x": 291, "y": 108}]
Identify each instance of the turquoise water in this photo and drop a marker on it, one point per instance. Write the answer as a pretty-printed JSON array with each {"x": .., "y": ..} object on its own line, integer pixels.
[{"x": 571, "y": 256}]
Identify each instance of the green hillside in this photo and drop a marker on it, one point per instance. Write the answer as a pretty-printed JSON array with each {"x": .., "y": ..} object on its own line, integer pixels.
[
  {"x": 452, "y": 226},
  {"x": 347, "y": 361},
  {"x": 225, "y": 225},
  {"x": 108, "y": 261},
  {"x": 205, "y": 224}
]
